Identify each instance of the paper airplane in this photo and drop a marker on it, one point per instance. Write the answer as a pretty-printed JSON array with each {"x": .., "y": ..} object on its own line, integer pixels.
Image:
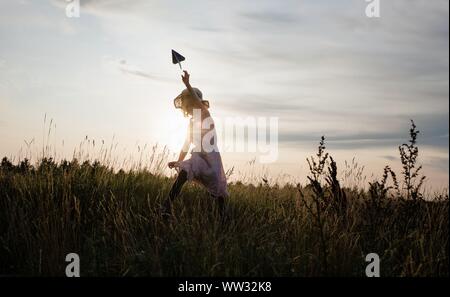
[{"x": 177, "y": 58}]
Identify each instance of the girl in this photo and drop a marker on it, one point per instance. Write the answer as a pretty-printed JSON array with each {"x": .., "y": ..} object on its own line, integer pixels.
[{"x": 205, "y": 165}]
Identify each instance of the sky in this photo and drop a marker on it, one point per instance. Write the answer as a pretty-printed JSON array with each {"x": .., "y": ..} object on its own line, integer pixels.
[{"x": 320, "y": 67}]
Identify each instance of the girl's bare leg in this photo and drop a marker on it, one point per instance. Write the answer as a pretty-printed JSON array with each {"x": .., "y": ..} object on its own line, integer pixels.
[
  {"x": 221, "y": 204},
  {"x": 174, "y": 192}
]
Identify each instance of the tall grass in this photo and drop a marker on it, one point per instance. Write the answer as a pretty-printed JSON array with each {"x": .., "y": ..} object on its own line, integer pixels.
[{"x": 111, "y": 219}]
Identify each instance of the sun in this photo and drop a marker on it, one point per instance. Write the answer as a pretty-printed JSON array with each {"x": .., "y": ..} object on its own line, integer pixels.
[{"x": 175, "y": 131}]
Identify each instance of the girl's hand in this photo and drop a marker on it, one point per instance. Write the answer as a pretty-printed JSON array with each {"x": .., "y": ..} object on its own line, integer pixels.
[
  {"x": 185, "y": 78},
  {"x": 172, "y": 164}
]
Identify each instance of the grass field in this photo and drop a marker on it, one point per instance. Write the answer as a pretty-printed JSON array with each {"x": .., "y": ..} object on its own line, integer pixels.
[{"x": 111, "y": 219}]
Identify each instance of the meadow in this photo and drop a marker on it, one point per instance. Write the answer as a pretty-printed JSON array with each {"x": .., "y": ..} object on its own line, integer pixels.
[{"x": 112, "y": 219}]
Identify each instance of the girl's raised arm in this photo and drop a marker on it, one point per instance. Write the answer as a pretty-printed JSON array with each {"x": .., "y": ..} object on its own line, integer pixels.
[{"x": 198, "y": 101}]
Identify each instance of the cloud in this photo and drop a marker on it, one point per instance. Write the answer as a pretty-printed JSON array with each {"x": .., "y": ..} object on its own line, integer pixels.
[
  {"x": 438, "y": 163},
  {"x": 270, "y": 17},
  {"x": 389, "y": 158},
  {"x": 128, "y": 69},
  {"x": 258, "y": 104},
  {"x": 101, "y": 5},
  {"x": 433, "y": 132},
  {"x": 341, "y": 140},
  {"x": 207, "y": 29},
  {"x": 133, "y": 70}
]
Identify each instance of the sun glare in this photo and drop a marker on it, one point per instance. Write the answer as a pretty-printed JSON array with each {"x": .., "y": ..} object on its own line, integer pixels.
[{"x": 176, "y": 129}]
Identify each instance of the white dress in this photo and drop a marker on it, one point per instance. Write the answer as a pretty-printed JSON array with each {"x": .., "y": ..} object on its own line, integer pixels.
[{"x": 206, "y": 168}]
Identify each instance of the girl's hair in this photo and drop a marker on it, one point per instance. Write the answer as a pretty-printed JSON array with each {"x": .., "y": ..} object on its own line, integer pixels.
[{"x": 184, "y": 101}]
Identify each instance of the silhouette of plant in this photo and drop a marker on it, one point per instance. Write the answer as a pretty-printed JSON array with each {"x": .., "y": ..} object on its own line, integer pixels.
[
  {"x": 337, "y": 194},
  {"x": 318, "y": 205},
  {"x": 411, "y": 171}
]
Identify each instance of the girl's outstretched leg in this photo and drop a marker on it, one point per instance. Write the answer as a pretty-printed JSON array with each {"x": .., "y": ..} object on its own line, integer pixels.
[
  {"x": 174, "y": 192},
  {"x": 220, "y": 204}
]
